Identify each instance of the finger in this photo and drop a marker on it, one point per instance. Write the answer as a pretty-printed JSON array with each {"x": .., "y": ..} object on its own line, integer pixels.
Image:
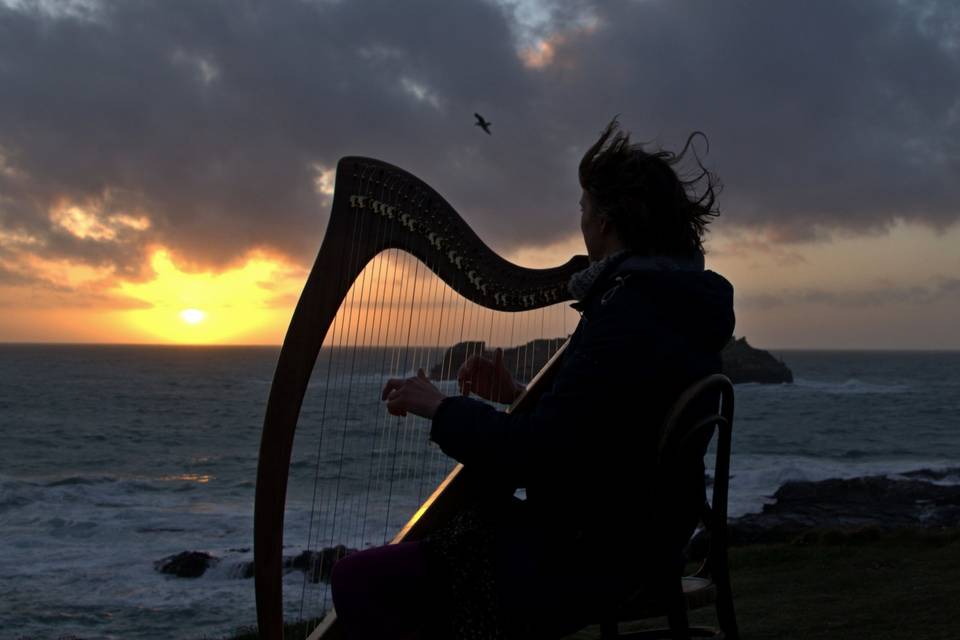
[
  {"x": 473, "y": 365},
  {"x": 468, "y": 371},
  {"x": 396, "y": 406},
  {"x": 392, "y": 383},
  {"x": 421, "y": 374}
]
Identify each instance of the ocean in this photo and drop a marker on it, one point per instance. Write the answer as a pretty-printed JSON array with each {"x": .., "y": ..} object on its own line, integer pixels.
[{"x": 114, "y": 457}]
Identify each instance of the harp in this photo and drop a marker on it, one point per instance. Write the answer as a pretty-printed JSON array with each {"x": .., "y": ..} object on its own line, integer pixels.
[{"x": 388, "y": 235}]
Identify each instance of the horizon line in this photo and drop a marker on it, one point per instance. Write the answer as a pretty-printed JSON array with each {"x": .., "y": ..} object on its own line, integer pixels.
[{"x": 174, "y": 345}]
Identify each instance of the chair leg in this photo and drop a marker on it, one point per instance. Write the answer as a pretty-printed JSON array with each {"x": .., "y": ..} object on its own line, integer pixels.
[
  {"x": 725, "y": 614},
  {"x": 677, "y": 614}
]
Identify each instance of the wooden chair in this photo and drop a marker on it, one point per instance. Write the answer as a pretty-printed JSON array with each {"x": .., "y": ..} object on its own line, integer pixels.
[{"x": 703, "y": 407}]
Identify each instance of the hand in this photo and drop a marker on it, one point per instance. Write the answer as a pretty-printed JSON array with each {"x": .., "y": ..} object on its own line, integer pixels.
[
  {"x": 415, "y": 394},
  {"x": 488, "y": 379}
]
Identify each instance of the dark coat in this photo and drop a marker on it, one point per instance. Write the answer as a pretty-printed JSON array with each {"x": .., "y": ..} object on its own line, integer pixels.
[{"x": 587, "y": 452}]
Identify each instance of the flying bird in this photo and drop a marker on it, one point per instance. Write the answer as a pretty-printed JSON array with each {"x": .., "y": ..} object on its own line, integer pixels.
[{"x": 483, "y": 124}]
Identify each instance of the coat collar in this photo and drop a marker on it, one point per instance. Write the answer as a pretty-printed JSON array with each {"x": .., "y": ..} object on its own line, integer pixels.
[{"x": 626, "y": 262}]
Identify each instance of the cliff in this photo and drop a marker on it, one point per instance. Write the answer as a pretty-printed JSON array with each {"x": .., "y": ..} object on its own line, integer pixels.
[
  {"x": 523, "y": 361},
  {"x": 741, "y": 362}
]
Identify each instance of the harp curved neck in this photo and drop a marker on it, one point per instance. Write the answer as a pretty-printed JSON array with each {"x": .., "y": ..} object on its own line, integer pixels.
[{"x": 410, "y": 215}]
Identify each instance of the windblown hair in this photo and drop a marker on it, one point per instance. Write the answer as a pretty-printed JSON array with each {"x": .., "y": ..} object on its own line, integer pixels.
[{"x": 655, "y": 209}]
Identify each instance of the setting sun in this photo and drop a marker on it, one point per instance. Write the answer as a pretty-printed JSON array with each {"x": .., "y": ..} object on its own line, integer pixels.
[{"x": 192, "y": 316}]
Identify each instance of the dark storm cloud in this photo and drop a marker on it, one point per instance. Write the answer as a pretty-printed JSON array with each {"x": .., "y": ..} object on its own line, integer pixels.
[
  {"x": 838, "y": 114},
  {"x": 210, "y": 117},
  {"x": 940, "y": 289}
]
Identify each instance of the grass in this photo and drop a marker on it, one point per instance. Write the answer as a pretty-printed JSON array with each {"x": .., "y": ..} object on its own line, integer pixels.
[
  {"x": 903, "y": 584},
  {"x": 850, "y": 585},
  {"x": 865, "y": 585}
]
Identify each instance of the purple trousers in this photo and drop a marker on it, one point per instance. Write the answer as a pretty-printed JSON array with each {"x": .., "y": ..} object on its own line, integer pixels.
[
  {"x": 385, "y": 592},
  {"x": 393, "y": 592}
]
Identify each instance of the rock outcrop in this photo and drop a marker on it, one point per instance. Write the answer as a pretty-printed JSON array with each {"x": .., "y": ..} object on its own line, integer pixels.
[
  {"x": 879, "y": 502},
  {"x": 523, "y": 361},
  {"x": 189, "y": 564},
  {"x": 744, "y": 363},
  {"x": 318, "y": 565}
]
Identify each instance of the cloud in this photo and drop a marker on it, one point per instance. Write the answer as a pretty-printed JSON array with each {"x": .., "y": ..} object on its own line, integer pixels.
[
  {"x": 822, "y": 115},
  {"x": 759, "y": 243},
  {"x": 942, "y": 288},
  {"x": 218, "y": 122}
]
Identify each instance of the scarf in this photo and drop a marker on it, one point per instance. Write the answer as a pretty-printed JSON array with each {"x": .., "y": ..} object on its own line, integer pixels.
[{"x": 582, "y": 281}]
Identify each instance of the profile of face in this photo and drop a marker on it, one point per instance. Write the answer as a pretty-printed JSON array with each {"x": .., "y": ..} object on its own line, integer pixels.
[{"x": 595, "y": 227}]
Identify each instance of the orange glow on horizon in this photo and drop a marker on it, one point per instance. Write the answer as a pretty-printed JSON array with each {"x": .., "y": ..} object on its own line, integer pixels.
[
  {"x": 857, "y": 300},
  {"x": 207, "y": 307}
]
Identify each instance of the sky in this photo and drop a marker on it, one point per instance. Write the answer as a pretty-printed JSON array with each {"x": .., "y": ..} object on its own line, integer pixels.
[{"x": 166, "y": 167}]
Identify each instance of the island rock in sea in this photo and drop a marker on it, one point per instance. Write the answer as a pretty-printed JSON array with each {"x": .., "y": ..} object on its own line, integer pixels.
[
  {"x": 741, "y": 362},
  {"x": 523, "y": 361},
  {"x": 189, "y": 564}
]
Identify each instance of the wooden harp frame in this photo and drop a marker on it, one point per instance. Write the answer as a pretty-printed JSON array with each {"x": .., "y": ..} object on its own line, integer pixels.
[{"x": 376, "y": 207}]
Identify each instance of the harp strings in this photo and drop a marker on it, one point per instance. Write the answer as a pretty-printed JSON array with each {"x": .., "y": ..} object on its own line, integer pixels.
[
  {"x": 374, "y": 326},
  {"x": 332, "y": 381},
  {"x": 378, "y": 441},
  {"x": 438, "y": 357},
  {"x": 420, "y": 472},
  {"x": 371, "y": 470},
  {"x": 343, "y": 349},
  {"x": 401, "y": 425}
]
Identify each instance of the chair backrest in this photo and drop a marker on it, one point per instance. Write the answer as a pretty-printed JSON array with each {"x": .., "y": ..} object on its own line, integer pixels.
[{"x": 705, "y": 406}]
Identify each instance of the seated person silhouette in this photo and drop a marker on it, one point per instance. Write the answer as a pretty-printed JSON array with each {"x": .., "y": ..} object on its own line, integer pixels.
[{"x": 653, "y": 321}]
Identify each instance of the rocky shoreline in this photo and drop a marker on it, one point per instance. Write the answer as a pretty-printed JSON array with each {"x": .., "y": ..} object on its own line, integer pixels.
[
  {"x": 912, "y": 500},
  {"x": 741, "y": 361},
  {"x": 316, "y": 565},
  {"x": 919, "y": 499}
]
